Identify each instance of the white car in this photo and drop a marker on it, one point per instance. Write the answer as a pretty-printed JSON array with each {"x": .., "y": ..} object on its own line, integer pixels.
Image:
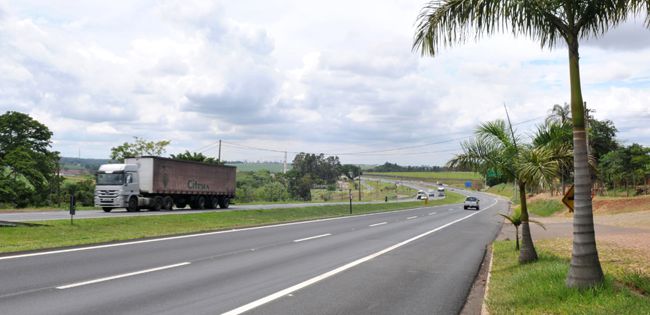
[{"x": 471, "y": 202}]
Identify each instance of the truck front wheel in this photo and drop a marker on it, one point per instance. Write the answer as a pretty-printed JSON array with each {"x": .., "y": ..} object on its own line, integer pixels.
[{"x": 133, "y": 204}]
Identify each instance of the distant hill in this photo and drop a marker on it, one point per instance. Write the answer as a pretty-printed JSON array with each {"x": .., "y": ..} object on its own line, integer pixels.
[
  {"x": 273, "y": 167},
  {"x": 80, "y": 166}
]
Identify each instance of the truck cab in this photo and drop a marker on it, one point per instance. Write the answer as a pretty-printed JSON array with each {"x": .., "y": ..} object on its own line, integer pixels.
[{"x": 115, "y": 185}]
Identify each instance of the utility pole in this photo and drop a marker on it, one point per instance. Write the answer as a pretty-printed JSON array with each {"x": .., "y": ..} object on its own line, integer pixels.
[
  {"x": 285, "y": 162},
  {"x": 219, "y": 150},
  {"x": 514, "y": 141}
]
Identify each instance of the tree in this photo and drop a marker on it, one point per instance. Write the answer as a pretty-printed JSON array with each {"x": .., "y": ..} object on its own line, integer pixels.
[
  {"x": 196, "y": 156},
  {"x": 350, "y": 171},
  {"x": 556, "y": 137},
  {"x": 560, "y": 114},
  {"x": 515, "y": 220},
  {"x": 549, "y": 21},
  {"x": 27, "y": 166},
  {"x": 140, "y": 147},
  {"x": 309, "y": 169},
  {"x": 602, "y": 137},
  {"x": 498, "y": 149}
]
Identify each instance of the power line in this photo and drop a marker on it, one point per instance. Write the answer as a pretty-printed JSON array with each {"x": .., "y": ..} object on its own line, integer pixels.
[{"x": 364, "y": 153}]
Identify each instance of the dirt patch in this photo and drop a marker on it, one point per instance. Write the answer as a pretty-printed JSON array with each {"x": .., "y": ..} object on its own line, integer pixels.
[
  {"x": 620, "y": 205},
  {"x": 603, "y": 205}
]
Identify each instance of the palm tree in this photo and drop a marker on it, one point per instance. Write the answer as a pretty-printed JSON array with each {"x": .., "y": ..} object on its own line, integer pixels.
[
  {"x": 497, "y": 148},
  {"x": 560, "y": 114},
  {"x": 557, "y": 138},
  {"x": 447, "y": 22},
  {"x": 515, "y": 220}
]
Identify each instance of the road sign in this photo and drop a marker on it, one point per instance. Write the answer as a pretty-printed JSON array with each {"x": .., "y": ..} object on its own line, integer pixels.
[
  {"x": 468, "y": 184},
  {"x": 568, "y": 199}
]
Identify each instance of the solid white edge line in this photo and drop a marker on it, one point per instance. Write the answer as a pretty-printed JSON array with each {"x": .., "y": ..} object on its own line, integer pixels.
[
  {"x": 78, "y": 249},
  {"x": 413, "y": 217},
  {"x": 311, "y": 237},
  {"x": 345, "y": 267},
  {"x": 78, "y": 284},
  {"x": 378, "y": 224}
]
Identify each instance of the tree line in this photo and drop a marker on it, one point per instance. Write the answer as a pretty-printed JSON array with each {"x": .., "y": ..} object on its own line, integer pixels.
[{"x": 29, "y": 169}]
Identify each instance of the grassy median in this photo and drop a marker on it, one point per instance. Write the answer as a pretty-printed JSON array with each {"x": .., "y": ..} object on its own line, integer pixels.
[
  {"x": 60, "y": 233},
  {"x": 538, "y": 288}
]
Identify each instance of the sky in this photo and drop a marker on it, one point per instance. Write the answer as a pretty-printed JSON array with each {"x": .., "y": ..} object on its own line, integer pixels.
[{"x": 337, "y": 77}]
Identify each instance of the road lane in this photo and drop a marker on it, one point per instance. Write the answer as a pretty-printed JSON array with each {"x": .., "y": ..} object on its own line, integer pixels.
[{"x": 225, "y": 270}]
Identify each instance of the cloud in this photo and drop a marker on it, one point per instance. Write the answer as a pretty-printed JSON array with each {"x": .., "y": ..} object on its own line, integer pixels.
[
  {"x": 631, "y": 35},
  {"x": 300, "y": 76}
]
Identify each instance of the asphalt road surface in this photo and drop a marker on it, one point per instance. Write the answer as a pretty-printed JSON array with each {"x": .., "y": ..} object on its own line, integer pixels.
[{"x": 419, "y": 261}]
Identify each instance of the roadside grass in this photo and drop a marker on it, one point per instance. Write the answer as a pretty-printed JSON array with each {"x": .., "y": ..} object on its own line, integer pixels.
[
  {"x": 59, "y": 233},
  {"x": 545, "y": 207},
  {"x": 502, "y": 189},
  {"x": 539, "y": 287},
  {"x": 62, "y": 207}
]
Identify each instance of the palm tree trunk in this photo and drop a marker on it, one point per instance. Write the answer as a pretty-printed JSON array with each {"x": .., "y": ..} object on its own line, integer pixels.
[
  {"x": 585, "y": 270},
  {"x": 527, "y": 253},
  {"x": 517, "y": 237}
]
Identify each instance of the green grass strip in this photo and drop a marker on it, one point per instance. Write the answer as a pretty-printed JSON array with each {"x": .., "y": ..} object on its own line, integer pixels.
[
  {"x": 60, "y": 233},
  {"x": 545, "y": 208},
  {"x": 539, "y": 288}
]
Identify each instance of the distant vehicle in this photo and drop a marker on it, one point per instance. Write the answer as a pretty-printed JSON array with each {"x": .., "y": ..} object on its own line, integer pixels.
[
  {"x": 432, "y": 194},
  {"x": 471, "y": 202},
  {"x": 158, "y": 183},
  {"x": 421, "y": 195},
  {"x": 441, "y": 194},
  {"x": 441, "y": 188}
]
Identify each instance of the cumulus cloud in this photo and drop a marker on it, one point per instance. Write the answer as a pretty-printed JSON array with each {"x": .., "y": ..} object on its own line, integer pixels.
[{"x": 294, "y": 75}]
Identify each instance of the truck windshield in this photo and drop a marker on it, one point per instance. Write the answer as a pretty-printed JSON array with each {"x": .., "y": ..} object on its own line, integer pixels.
[{"x": 110, "y": 179}]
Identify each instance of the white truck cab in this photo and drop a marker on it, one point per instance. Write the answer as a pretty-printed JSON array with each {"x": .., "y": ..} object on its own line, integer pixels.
[{"x": 115, "y": 184}]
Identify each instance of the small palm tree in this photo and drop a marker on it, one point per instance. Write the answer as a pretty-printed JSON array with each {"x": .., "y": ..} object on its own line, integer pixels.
[
  {"x": 443, "y": 23},
  {"x": 515, "y": 219}
]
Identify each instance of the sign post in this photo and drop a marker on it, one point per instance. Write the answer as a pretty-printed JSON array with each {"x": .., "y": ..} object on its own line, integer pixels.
[
  {"x": 568, "y": 199},
  {"x": 350, "y": 200},
  {"x": 73, "y": 209}
]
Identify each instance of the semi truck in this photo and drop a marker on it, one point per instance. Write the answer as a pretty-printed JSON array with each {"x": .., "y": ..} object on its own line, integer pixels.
[{"x": 156, "y": 183}]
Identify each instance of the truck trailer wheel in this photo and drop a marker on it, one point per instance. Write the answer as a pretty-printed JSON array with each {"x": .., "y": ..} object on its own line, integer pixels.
[
  {"x": 224, "y": 202},
  {"x": 107, "y": 209},
  {"x": 198, "y": 203},
  {"x": 167, "y": 203},
  {"x": 133, "y": 204},
  {"x": 214, "y": 202}
]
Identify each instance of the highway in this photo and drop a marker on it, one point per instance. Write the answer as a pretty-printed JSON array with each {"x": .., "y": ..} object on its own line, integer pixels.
[
  {"x": 419, "y": 261},
  {"x": 96, "y": 214}
]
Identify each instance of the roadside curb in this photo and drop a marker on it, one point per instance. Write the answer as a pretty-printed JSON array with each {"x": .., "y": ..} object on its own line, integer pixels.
[{"x": 484, "y": 310}]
